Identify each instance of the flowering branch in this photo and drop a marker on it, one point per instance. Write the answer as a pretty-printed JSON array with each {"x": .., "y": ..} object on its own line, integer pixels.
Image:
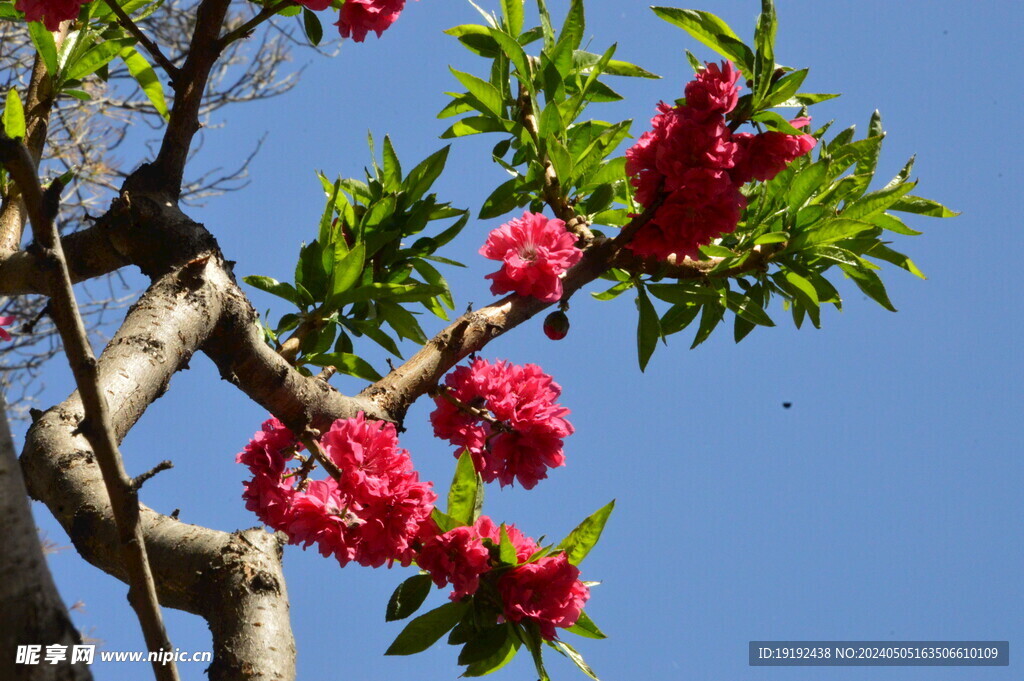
[
  {"x": 309, "y": 438},
  {"x": 97, "y": 426}
]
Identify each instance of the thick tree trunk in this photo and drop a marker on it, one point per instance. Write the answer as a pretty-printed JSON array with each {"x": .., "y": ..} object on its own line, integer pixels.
[{"x": 31, "y": 610}]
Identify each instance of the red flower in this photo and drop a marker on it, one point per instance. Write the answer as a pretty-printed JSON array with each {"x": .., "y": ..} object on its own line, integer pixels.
[
  {"x": 548, "y": 593},
  {"x": 457, "y": 557},
  {"x": 524, "y": 436},
  {"x": 373, "y": 515},
  {"x": 5, "y": 321},
  {"x": 359, "y": 17},
  {"x": 767, "y": 154},
  {"x": 714, "y": 90},
  {"x": 536, "y": 252},
  {"x": 50, "y": 12}
]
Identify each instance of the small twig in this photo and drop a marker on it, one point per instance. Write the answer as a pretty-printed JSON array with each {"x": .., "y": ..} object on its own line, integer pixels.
[
  {"x": 139, "y": 480},
  {"x": 97, "y": 425},
  {"x": 482, "y": 414},
  {"x": 248, "y": 27},
  {"x": 552, "y": 187},
  {"x": 326, "y": 373},
  {"x": 154, "y": 50},
  {"x": 309, "y": 438}
]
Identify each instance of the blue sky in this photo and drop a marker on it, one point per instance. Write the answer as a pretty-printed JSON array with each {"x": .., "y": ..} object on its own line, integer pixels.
[{"x": 884, "y": 505}]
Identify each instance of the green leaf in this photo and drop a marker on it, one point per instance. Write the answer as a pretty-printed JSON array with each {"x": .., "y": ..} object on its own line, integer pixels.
[
  {"x": 804, "y": 99},
  {"x": 561, "y": 160},
  {"x": 829, "y": 231},
  {"x": 875, "y": 124},
  {"x": 576, "y": 658},
  {"x": 785, "y": 88},
  {"x": 776, "y": 122},
  {"x": 869, "y": 282},
  {"x": 97, "y": 57},
  {"x": 893, "y": 224},
  {"x": 532, "y": 640},
  {"x": 877, "y": 202},
  {"x": 711, "y": 314},
  {"x": 475, "y": 125},
  {"x": 425, "y": 630},
  {"x": 512, "y": 10},
  {"x": 443, "y": 521},
  {"x": 883, "y": 252},
  {"x": 465, "y": 497},
  {"x": 582, "y": 539},
  {"x": 273, "y": 286},
  {"x": 392, "y": 167},
  {"x": 311, "y": 25},
  {"x": 514, "y": 51},
  {"x": 771, "y": 238},
  {"x": 506, "y": 549},
  {"x": 574, "y": 26},
  {"x": 805, "y": 183},
  {"x": 422, "y": 177},
  {"x": 486, "y": 644},
  {"x": 496, "y": 661},
  {"x": 585, "y": 627},
  {"x": 920, "y": 206},
  {"x": 713, "y": 32},
  {"x": 483, "y": 91},
  {"x": 147, "y": 79},
  {"x": 45, "y": 46},
  {"x": 748, "y": 308},
  {"x": 408, "y": 597},
  {"x": 14, "y": 115},
  {"x": 346, "y": 363},
  {"x": 714, "y": 251},
  {"x": 648, "y": 329},
  {"x": 764, "y": 59}
]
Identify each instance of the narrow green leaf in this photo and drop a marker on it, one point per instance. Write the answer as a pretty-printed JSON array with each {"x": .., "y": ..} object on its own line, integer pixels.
[
  {"x": 425, "y": 630},
  {"x": 771, "y": 238},
  {"x": 443, "y": 521},
  {"x": 648, "y": 329},
  {"x": 475, "y": 125},
  {"x": 877, "y": 202},
  {"x": 45, "y": 46},
  {"x": 274, "y": 287},
  {"x": 883, "y": 252},
  {"x": 408, "y": 597},
  {"x": 485, "y": 644},
  {"x": 585, "y": 627},
  {"x": 506, "y": 549},
  {"x": 422, "y": 177},
  {"x": 311, "y": 25},
  {"x": 515, "y": 52},
  {"x": 512, "y": 10},
  {"x": 97, "y": 57},
  {"x": 785, "y": 88},
  {"x": 14, "y": 115},
  {"x": 483, "y": 91},
  {"x": 146, "y": 77},
  {"x": 392, "y": 167},
  {"x": 870, "y": 283},
  {"x": 764, "y": 58},
  {"x": 829, "y": 231},
  {"x": 921, "y": 206},
  {"x": 574, "y": 26},
  {"x": 348, "y": 270},
  {"x": 804, "y": 99},
  {"x": 713, "y": 32},
  {"x": 805, "y": 183},
  {"x": 576, "y": 658},
  {"x": 346, "y": 363},
  {"x": 748, "y": 308},
  {"x": 466, "y": 491},
  {"x": 893, "y": 224},
  {"x": 875, "y": 124},
  {"x": 495, "y": 662},
  {"x": 582, "y": 539}
]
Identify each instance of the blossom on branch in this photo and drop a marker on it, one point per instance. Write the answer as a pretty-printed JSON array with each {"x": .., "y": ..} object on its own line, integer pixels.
[
  {"x": 50, "y": 12},
  {"x": 535, "y": 253},
  {"x": 5, "y": 321},
  {"x": 359, "y": 17},
  {"x": 372, "y": 515},
  {"x": 695, "y": 164},
  {"x": 507, "y": 416},
  {"x": 547, "y": 592}
]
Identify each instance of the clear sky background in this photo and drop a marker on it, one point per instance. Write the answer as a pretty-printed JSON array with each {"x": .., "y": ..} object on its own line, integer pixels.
[{"x": 884, "y": 505}]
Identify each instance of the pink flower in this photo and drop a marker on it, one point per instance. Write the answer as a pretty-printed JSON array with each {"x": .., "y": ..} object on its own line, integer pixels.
[
  {"x": 50, "y": 12},
  {"x": 525, "y": 546},
  {"x": 536, "y": 252},
  {"x": 523, "y": 437},
  {"x": 547, "y": 592},
  {"x": 5, "y": 321},
  {"x": 457, "y": 557},
  {"x": 359, "y": 17},
  {"x": 714, "y": 90},
  {"x": 373, "y": 515},
  {"x": 767, "y": 154}
]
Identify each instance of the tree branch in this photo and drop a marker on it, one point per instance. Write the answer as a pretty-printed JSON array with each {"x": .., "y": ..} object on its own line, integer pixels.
[
  {"x": 97, "y": 425},
  {"x": 154, "y": 50},
  {"x": 248, "y": 27}
]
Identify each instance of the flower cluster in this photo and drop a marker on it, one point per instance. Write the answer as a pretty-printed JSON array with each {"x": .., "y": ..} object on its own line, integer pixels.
[
  {"x": 695, "y": 165},
  {"x": 546, "y": 591},
  {"x": 507, "y": 416},
  {"x": 50, "y": 12},
  {"x": 373, "y": 514},
  {"x": 5, "y": 321},
  {"x": 535, "y": 252},
  {"x": 359, "y": 17}
]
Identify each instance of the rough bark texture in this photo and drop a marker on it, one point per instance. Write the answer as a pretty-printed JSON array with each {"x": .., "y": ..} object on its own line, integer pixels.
[{"x": 31, "y": 610}]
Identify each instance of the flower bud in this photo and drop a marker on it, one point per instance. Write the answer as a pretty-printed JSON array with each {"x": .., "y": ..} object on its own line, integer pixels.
[{"x": 556, "y": 325}]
